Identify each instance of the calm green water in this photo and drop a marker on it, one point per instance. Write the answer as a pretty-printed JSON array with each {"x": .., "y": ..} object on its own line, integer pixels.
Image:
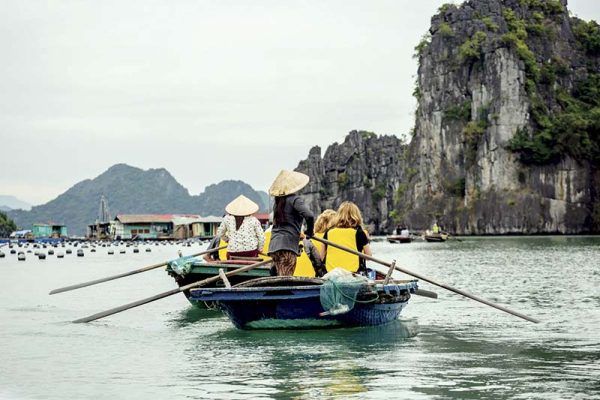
[{"x": 446, "y": 348}]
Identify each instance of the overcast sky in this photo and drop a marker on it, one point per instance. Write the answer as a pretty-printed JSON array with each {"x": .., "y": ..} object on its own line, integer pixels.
[{"x": 209, "y": 90}]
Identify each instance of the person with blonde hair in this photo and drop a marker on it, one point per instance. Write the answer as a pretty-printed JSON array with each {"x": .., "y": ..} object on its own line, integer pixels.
[
  {"x": 310, "y": 263},
  {"x": 325, "y": 221},
  {"x": 347, "y": 231},
  {"x": 240, "y": 229}
]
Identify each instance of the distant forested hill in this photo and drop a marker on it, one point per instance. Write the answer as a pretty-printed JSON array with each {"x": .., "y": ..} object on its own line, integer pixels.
[
  {"x": 12, "y": 203},
  {"x": 131, "y": 190}
]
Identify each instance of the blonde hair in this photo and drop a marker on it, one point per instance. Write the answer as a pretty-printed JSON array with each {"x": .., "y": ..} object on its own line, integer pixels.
[
  {"x": 348, "y": 216},
  {"x": 325, "y": 221}
]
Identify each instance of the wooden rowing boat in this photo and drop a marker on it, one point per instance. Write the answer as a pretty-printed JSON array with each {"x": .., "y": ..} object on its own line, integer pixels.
[
  {"x": 199, "y": 270},
  {"x": 296, "y": 302},
  {"x": 436, "y": 237}
]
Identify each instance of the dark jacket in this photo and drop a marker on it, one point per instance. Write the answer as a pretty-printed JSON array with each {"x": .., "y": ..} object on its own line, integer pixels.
[{"x": 286, "y": 235}]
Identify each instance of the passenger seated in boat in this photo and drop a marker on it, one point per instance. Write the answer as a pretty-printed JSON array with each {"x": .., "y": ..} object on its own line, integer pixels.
[
  {"x": 241, "y": 230},
  {"x": 325, "y": 221},
  {"x": 404, "y": 232},
  {"x": 265, "y": 250},
  {"x": 348, "y": 231},
  {"x": 289, "y": 213},
  {"x": 217, "y": 241},
  {"x": 309, "y": 263},
  {"x": 435, "y": 229}
]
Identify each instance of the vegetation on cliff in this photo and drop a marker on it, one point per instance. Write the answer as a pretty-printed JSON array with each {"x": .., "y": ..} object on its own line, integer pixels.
[
  {"x": 566, "y": 121},
  {"x": 7, "y": 225}
]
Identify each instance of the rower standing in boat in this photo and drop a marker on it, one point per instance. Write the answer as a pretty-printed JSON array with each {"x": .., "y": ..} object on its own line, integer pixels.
[
  {"x": 288, "y": 214},
  {"x": 242, "y": 231}
]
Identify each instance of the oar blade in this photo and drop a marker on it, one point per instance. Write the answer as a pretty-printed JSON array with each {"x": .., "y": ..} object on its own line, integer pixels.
[
  {"x": 136, "y": 271},
  {"x": 138, "y": 303}
]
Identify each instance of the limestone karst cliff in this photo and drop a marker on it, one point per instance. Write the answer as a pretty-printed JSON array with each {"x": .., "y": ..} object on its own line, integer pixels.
[
  {"x": 507, "y": 130},
  {"x": 366, "y": 169}
]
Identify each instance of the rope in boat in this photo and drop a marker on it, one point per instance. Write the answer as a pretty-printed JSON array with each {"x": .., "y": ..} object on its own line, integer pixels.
[{"x": 350, "y": 298}]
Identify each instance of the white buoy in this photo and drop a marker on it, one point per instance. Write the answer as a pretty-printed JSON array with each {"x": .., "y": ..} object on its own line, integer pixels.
[
  {"x": 60, "y": 254},
  {"x": 80, "y": 253},
  {"x": 21, "y": 256},
  {"x": 111, "y": 252}
]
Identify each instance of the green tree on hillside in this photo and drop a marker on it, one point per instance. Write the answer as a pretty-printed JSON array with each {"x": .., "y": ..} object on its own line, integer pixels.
[{"x": 7, "y": 225}]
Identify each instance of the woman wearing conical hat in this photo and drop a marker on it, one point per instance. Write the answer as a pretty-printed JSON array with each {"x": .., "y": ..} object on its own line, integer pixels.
[
  {"x": 288, "y": 214},
  {"x": 241, "y": 230}
]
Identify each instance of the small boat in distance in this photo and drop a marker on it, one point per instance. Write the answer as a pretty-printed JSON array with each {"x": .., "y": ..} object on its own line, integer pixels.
[
  {"x": 297, "y": 303},
  {"x": 398, "y": 239},
  {"x": 435, "y": 237}
]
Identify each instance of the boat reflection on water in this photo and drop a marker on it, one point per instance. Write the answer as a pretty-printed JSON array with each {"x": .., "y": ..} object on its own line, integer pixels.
[
  {"x": 194, "y": 315},
  {"x": 314, "y": 363}
]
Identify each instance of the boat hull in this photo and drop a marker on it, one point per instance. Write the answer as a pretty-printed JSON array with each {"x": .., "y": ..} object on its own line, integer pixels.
[
  {"x": 399, "y": 239},
  {"x": 436, "y": 238},
  {"x": 300, "y": 307},
  {"x": 201, "y": 271}
]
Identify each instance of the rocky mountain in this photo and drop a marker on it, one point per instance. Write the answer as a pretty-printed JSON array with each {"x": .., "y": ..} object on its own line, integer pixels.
[
  {"x": 12, "y": 203},
  {"x": 507, "y": 131},
  {"x": 366, "y": 169},
  {"x": 215, "y": 197},
  {"x": 131, "y": 190}
]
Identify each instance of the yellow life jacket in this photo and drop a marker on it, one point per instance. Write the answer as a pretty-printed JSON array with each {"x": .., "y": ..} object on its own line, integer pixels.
[
  {"x": 337, "y": 258},
  {"x": 304, "y": 266},
  {"x": 223, "y": 252},
  {"x": 265, "y": 248}
]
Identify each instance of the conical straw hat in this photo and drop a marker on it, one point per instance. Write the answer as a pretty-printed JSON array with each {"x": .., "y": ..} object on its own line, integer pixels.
[
  {"x": 241, "y": 206},
  {"x": 288, "y": 182}
]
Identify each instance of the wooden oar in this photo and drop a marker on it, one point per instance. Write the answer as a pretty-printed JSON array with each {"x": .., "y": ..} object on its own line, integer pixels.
[
  {"x": 419, "y": 276},
  {"x": 169, "y": 293},
  {"x": 137, "y": 271}
]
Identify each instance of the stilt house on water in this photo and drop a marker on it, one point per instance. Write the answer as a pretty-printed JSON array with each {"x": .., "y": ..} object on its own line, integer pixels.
[
  {"x": 160, "y": 226},
  {"x": 49, "y": 230}
]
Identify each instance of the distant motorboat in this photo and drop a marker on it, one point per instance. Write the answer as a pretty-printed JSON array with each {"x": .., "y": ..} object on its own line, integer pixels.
[{"x": 398, "y": 239}]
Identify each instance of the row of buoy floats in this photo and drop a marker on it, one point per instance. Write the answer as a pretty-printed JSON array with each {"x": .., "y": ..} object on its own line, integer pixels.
[{"x": 55, "y": 248}]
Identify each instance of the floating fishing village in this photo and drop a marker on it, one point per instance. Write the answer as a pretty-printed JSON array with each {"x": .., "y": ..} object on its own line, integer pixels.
[{"x": 385, "y": 201}]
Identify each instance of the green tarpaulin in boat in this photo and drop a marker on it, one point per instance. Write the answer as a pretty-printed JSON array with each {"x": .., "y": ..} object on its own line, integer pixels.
[
  {"x": 182, "y": 266},
  {"x": 338, "y": 292}
]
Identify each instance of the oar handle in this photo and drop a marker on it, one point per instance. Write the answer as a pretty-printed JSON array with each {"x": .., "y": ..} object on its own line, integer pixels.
[
  {"x": 424, "y": 278},
  {"x": 168, "y": 293},
  {"x": 136, "y": 271}
]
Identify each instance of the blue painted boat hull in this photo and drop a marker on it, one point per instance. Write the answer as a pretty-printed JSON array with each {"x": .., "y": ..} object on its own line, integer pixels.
[{"x": 297, "y": 307}]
